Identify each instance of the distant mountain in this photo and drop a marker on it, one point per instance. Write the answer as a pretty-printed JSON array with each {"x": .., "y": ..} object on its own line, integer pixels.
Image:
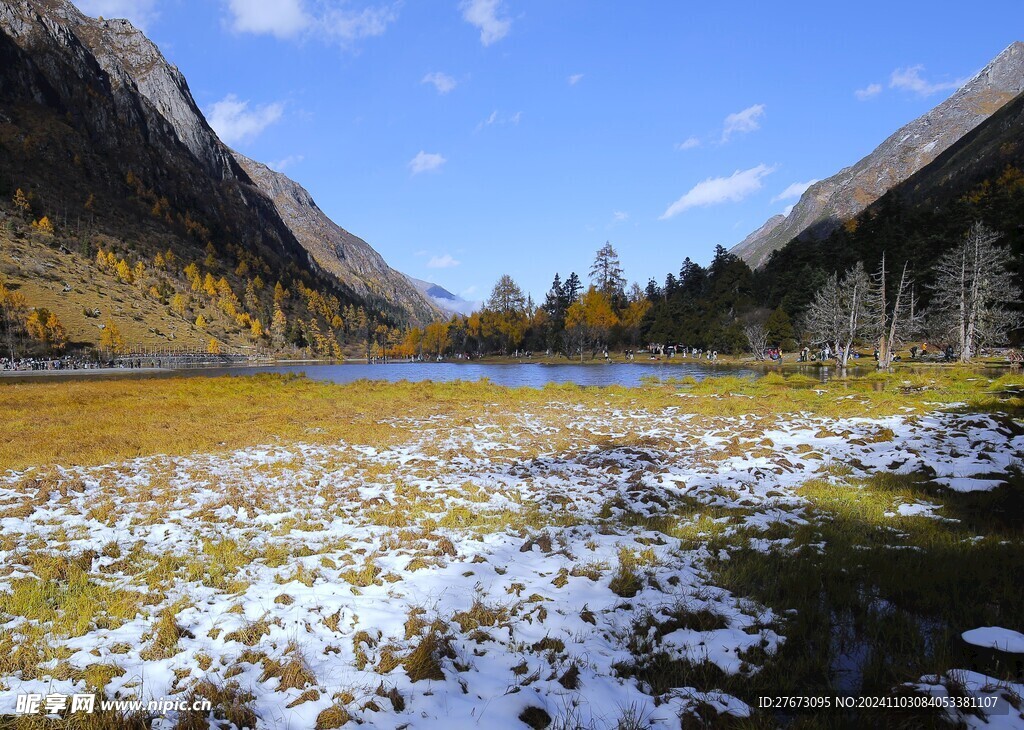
[
  {"x": 444, "y": 299},
  {"x": 103, "y": 136},
  {"x": 827, "y": 203}
]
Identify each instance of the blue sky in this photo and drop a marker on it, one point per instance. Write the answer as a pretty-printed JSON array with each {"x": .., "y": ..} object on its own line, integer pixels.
[{"x": 464, "y": 139}]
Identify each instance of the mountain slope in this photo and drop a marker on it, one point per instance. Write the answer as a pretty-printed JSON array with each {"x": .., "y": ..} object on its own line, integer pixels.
[
  {"x": 191, "y": 248},
  {"x": 103, "y": 139},
  {"x": 978, "y": 178},
  {"x": 124, "y": 52},
  {"x": 826, "y": 203},
  {"x": 337, "y": 251},
  {"x": 753, "y": 242}
]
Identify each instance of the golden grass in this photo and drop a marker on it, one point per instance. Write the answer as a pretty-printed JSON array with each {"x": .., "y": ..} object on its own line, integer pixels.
[
  {"x": 96, "y": 422},
  {"x": 230, "y": 702},
  {"x": 69, "y": 593},
  {"x": 251, "y": 633},
  {"x": 72, "y": 603},
  {"x": 424, "y": 662}
]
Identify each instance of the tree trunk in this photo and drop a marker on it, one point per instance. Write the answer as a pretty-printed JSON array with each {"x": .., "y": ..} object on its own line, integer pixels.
[{"x": 965, "y": 348}]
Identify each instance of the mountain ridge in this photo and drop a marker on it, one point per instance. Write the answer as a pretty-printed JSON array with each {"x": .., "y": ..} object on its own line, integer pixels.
[
  {"x": 825, "y": 204},
  {"x": 134, "y": 63},
  {"x": 979, "y": 178}
]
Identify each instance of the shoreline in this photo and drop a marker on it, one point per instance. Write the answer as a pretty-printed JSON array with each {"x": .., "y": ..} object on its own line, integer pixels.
[{"x": 727, "y": 363}]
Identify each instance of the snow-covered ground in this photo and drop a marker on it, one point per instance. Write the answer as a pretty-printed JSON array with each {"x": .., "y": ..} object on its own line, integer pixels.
[{"x": 490, "y": 566}]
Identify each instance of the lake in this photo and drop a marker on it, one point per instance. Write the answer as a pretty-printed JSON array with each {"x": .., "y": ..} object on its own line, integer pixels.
[
  {"x": 532, "y": 375},
  {"x": 515, "y": 374}
]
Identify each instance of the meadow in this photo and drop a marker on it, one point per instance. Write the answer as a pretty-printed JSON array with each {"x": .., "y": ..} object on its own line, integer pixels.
[{"x": 456, "y": 555}]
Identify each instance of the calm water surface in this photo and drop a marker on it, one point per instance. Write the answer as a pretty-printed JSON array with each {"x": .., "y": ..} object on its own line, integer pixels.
[{"x": 513, "y": 374}]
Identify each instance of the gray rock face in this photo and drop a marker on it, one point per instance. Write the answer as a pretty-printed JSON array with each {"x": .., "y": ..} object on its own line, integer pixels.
[
  {"x": 826, "y": 204},
  {"x": 337, "y": 251},
  {"x": 132, "y": 63},
  {"x": 131, "y": 58}
]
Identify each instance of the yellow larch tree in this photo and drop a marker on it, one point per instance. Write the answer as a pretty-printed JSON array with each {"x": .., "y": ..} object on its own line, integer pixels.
[{"x": 111, "y": 339}]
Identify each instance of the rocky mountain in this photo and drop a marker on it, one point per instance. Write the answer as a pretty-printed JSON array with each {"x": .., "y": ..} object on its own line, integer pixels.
[
  {"x": 979, "y": 178},
  {"x": 130, "y": 58},
  {"x": 444, "y": 299},
  {"x": 829, "y": 202},
  {"x": 104, "y": 137},
  {"x": 340, "y": 253},
  {"x": 752, "y": 242}
]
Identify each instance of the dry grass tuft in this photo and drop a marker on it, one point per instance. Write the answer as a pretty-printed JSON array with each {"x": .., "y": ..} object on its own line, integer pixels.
[
  {"x": 627, "y": 580},
  {"x": 333, "y": 717},
  {"x": 480, "y": 614},
  {"x": 230, "y": 703},
  {"x": 424, "y": 662},
  {"x": 251, "y": 633},
  {"x": 292, "y": 673},
  {"x": 166, "y": 633}
]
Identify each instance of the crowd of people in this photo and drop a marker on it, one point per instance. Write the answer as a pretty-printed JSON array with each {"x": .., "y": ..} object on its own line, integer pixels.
[
  {"x": 68, "y": 362},
  {"x": 658, "y": 351},
  {"x": 825, "y": 352},
  {"x": 74, "y": 362}
]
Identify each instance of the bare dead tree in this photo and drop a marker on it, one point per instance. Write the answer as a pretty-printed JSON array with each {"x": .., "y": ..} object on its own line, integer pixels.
[
  {"x": 756, "y": 331},
  {"x": 889, "y": 319},
  {"x": 837, "y": 315},
  {"x": 972, "y": 287},
  {"x": 823, "y": 320}
]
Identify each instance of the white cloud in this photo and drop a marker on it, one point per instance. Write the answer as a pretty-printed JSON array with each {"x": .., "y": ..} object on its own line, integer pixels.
[
  {"x": 868, "y": 91},
  {"x": 742, "y": 122},
  {"x": 717, "y": 190},
  {"x": 909, "y": 79},
  {"x": 442, "y": 262},
  {"x": 496, "y": 118},
  {"x": 688, "y": 144},
  {"x": 574, "y": 79},
  {"x": 234, "y": 122},
  {"x": 484, "y": 14},
  {"x": 441, "y": 81},
  {"x": 291, "y": 18},
  {"x": 795, "y": 190},
  {"x": 282, "y": 164},
  {"x": 426, "y": 162},
  {"x": 281, "y": 18},
  {"x": 620, "y": 216},
  {"x": 349, "y": 26},
  {"x": 787, "y": 210},
  {"x": 141, "y": 13}
]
